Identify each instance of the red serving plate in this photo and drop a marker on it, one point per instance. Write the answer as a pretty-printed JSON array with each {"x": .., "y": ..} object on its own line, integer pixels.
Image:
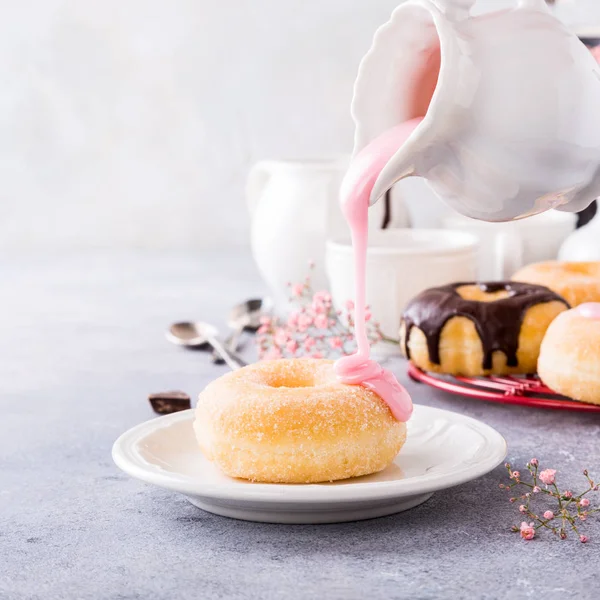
[{"x": 526, "y": 390}]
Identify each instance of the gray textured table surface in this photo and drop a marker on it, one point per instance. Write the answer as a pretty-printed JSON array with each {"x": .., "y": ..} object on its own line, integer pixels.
[{"x": 81, "y": 345}]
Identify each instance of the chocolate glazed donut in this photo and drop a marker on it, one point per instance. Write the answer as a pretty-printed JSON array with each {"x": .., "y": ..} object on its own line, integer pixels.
[{"x": 498, "y": 323}]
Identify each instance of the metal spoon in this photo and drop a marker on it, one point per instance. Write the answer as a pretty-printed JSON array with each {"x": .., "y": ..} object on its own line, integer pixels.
[
  {"x": 245, "y": 317},
  {"x": 198, "y": 334},
  {"x": 190, "y": 334}
]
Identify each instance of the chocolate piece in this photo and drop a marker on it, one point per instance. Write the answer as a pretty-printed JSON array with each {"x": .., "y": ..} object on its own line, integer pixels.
[
  {"x": 498, "y": 323},
  {"x": 166, "y": 403}
]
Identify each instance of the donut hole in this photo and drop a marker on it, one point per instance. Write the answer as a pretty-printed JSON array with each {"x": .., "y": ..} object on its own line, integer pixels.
[
  {"x": 291, "y": 373},
  {"x": 475, "y": 293},
  {"x": 299, "y": 380}
]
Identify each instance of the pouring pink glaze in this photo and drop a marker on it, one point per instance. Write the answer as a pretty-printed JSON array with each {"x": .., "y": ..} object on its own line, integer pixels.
[
  {"x": 364, "y": 170},
  {"x": 589, "y": 310}
]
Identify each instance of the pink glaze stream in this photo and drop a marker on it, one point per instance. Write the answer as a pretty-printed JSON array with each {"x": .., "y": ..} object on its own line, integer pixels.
[
  {"x": 589, "y": 310},
  {"x": 364, "y": 170}
]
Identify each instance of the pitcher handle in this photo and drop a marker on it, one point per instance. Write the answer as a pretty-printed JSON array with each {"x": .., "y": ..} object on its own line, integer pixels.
[{"x": 257, "y": 181}]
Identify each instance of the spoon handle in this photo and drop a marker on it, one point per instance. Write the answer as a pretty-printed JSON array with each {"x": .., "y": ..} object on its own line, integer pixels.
[
  {"x": 231, "y": 343},
  {"x": 232, "y": 360},
  {"x": 233, "y": 340}
]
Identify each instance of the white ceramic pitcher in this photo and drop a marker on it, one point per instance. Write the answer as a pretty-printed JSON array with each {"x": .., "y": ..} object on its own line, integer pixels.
[
  {"x": 510, "y": 100},
  {"x": 294, "y": 208}
]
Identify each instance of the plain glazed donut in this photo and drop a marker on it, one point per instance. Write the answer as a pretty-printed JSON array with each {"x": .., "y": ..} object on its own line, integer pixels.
[
  {"x": 292, "y": 421},
  {"x": 478, "y": 329},
  {"x": 570, "y": 354},
  {"x": 576, "y": 282}
]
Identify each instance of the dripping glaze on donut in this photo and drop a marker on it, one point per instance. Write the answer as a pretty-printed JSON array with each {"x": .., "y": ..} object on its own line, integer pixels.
[{"x": 498, "y": 322}]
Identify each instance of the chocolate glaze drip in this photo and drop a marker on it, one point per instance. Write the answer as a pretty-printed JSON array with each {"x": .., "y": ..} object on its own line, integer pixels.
[{"x": 498, "y": 323}]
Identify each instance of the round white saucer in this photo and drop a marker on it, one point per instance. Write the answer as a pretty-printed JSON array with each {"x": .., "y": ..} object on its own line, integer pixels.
[{"x": 443, "y": 449}]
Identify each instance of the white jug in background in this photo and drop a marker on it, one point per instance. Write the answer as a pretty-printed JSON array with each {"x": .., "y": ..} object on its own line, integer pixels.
[{"x": 294, "y": 208}]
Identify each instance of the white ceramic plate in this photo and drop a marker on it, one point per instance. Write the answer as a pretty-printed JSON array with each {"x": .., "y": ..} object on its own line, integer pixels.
[{"x": 443, "y": 449}]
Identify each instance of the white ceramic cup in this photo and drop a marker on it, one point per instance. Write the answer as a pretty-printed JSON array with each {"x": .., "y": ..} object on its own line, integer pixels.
[
  {"x": 401, "y": 263},
  {"x": 505, "y": 247}
]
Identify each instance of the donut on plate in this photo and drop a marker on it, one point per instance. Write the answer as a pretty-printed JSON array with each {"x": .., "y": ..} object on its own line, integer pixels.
[
  {"x": 477, "y": 329},
  {"x": 570, "y": 354},
  {"x": 292, "y": 421},
  {"x": 576, "y": 282}
]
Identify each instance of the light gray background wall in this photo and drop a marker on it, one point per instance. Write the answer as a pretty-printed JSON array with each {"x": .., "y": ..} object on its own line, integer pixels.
[{"x": 134, "y": 122}]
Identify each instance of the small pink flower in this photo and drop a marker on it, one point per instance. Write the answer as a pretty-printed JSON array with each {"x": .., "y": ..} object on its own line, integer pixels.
[
  {"x": 336, "y": 342},
  {"x": 298, "y": 290},
  {"x": 309, "y": 344},
  {"x": 322, "y": 297},
  {"x": 522, "y": 508},
  {"x": 515, "y": 475},
  {"x": 293, "y": 319},
  {"x": 368, "y": 315},
  {"x": 318, "y": 307},
  {"x": 321, "y": 322},
  {"x": 549, "y": 515},
  {"x": 548, "y": 476},
  {"x": 584, "y": 502},
  {"x": 292, "y": 346},
  {"x": 349, "y": 305},
  {"x": 568, "y": 494},
  {"x": 584, "y": 539},
  {"x": 537, "y": 489},
  {"x": 262, "y": 329},
  {"x": 281, "y": 337},
  {"x": 304, "y": 322},
  {"x": 266, "y": 321},
  {"x": 272, "y": 354},
  {"x": 527, "y": 531},
  {"x": 317, "y": 355},
  {"x": 534, "y": 462}
]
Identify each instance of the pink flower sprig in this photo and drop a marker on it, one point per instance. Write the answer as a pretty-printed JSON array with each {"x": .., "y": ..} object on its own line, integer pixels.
[
  {"x": 567, "y": 512},
  {"x": 313, "y": 329}
]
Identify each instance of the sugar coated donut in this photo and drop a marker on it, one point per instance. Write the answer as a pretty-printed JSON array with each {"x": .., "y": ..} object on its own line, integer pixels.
[
  {"x": 477, "y": 329},
  {"x": 570, "y": 354},
  {"x": 292, "y": 421},
  {"x": 576, "y": 282}
]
